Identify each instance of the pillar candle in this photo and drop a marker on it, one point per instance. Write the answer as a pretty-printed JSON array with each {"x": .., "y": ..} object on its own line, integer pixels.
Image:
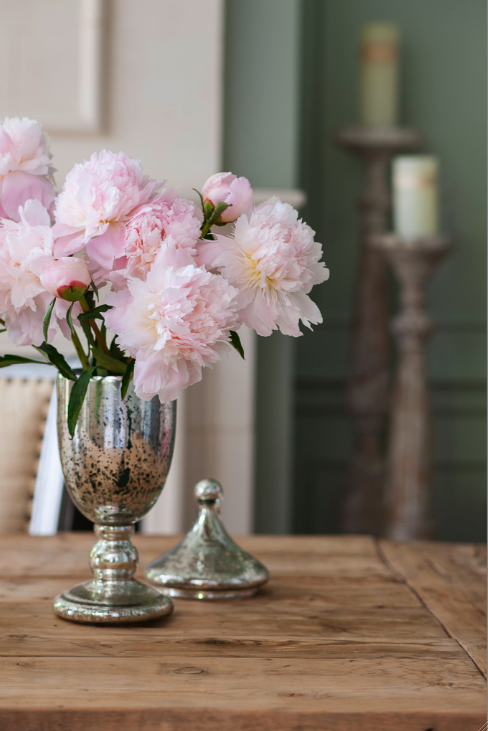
[
  {"x": 379, "y": 74},
  {"x": 415, "y": 206}
]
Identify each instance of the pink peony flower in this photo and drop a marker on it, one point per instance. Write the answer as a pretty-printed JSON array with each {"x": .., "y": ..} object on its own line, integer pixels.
[
  {"x": 67, "y": 278},
  {"x": 26, "y": 250},
  {"x": 227, "y": 188},
  {"x": 273, "y": 261},
  {"x": 173, "y": 323},
  {"x": 171, "y": 227},
  {"x": 98, "y": 198},
  {"x": 25, "y": 166}
]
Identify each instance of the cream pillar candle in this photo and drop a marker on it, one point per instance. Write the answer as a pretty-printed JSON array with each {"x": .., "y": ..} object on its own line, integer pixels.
[
  {"x": 415, "y": 206},
  {"x": 379, "y": 74}
]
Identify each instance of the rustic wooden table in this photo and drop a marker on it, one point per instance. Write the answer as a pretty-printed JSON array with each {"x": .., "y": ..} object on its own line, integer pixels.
[{"x": 349, "y": 633}]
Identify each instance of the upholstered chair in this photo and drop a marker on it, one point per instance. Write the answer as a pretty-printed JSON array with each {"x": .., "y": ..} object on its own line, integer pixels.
[{"x": 30, "y": 475}]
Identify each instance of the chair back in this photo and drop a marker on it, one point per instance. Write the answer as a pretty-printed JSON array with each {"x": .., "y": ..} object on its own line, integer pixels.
[{"x": 24, "y": 405}]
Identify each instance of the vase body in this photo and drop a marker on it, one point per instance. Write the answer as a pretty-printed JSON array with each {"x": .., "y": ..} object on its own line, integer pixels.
[{"x": 115, "y": 468}]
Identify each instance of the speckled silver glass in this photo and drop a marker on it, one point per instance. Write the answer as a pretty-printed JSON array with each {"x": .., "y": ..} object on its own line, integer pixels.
[
  {"x": 115, "y": 468},
  {"x": 207, "y": 564}
]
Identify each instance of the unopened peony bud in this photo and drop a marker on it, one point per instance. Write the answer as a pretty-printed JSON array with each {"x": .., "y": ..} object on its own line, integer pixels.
[
  {"x": 227, "y": 188},
  {"x": 67, "y": 278}
]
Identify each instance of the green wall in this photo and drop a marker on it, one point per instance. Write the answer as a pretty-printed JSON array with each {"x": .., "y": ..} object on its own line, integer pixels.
[
  {"x": 291, "y": 83},
  {"x": 261, "y": 82},
  {"x": 261, "y": 141}
]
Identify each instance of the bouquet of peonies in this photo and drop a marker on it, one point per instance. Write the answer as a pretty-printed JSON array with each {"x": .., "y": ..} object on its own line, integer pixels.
[{"x": 178, "y": 291}]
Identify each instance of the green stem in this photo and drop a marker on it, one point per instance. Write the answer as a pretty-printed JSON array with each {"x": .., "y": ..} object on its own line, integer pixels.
[
  {"x": 205, "y": 229},
  {"x": 79, "y": 349},
  {"x": 96, "y": 330}
]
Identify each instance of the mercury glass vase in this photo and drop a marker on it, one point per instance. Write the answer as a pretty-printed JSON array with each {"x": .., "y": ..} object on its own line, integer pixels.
[{"x": 115, "y": 468}]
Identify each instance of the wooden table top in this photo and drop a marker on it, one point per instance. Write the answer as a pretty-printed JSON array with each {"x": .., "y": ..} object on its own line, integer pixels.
[{"x": 349, "y": 633}]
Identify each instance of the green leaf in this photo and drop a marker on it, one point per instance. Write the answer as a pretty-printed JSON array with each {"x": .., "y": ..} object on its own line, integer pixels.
[
  {"x": 199, "y": 195},
  {"x": 95, "y": 289},
  {"x": 77, "y": 397},
  {"x": 47, "y": 318},
  {"x": 235, "y": 341},
  {"x": 114, "y": 348},
  {"x": 68, "y": 318},
  {"x": 127, "y": 378},
  {"x": 3, "y": 330},
  {"x": 7, "y": 360},
  {"x": 95, "y": 313},
  {"x": 106, "y": 361},
  {"x": 58, "y": 360}
]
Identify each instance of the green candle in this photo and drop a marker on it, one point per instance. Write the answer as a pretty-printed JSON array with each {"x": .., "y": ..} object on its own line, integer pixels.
[{"x": 379, "y": 74}]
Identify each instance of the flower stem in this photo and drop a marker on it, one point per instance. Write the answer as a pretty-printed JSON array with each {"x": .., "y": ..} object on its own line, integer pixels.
[
  {"x": 205, "y": 229},
  {"x": 96, "y": 330},
  {"x": 79, "y": 350}
]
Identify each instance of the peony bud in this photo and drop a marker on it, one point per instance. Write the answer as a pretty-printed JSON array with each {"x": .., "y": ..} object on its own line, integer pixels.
[
  {"x": 67, "y": 278},
  {"x": 227, "y": 188}
]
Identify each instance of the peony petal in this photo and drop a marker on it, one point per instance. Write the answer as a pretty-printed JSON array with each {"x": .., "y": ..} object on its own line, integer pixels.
[
  {"x": 19, "y": 187},
  {"x": 208, "y": 252},
  {"x": 107, "y": 247},
  {"x": 35, "y": 214},
  {"x": 67, "y": 245}
]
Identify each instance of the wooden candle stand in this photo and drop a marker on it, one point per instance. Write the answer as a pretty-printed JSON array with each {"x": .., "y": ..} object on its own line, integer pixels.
[
  {"x": 408, "y": 483},
  {"x": 367, "y": 391}
]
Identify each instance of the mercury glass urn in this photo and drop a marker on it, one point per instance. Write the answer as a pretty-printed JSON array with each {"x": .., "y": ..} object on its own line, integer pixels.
[
  {"x": 207, "y": 563},
  {"x": 115, "y": 468}
]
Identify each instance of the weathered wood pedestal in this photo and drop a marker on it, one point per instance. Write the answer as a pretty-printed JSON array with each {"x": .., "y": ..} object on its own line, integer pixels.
[
  {"x": 409, "y": 474},
  {"x": 367, "y": 392}
]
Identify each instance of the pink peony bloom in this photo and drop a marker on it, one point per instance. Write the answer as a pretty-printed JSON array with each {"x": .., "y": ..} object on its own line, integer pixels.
[
  {"x": 98, "y": 198},
  {"x": 173, "y": 323},
  {"x": 26, "y": 250},
  {"x": 273, "y": 261},
  {"x": 171, "y": 228},
  {"x": 227, "y": 188},
  {"x": 67, "y": 278},
  {"x": 25, "y": 166}
]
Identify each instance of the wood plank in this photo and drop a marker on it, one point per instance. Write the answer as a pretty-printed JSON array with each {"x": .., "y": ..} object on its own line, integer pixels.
[
  {"x": 464, "y": 566},
  {"x": 445, "y": 669},
  {"x": 67, "y": 554},
  {"x": 158, "y": 644},
  {"x": 185, "y": 718},
  {"x": 428, "y": 572},
  {"x": 477, "y": 652},
  {"x": 289, "y": 591},
  {"x": 321, "y": 686},
  {"x": 225, "y": 619}
]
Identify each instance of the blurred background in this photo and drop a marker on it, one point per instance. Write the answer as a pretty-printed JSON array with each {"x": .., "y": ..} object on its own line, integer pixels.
[{"x": 263, "y": 88}]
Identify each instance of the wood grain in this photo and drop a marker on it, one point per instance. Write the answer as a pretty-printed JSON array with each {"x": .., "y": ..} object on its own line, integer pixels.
[
  {"x": 67, "y": 554},
  {"x": 451, "y": 586},
  {"x": 340, "y": 638}
]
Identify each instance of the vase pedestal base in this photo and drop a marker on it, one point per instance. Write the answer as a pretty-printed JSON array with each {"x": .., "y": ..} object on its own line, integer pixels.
[{"x": 112, "y": 602}]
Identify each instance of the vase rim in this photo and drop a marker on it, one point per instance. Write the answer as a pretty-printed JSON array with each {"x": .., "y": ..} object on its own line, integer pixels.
[{"x": 78, "y": 371}]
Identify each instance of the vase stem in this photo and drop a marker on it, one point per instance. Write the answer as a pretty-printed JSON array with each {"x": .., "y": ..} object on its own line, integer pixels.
[{"x": 114, "y": 557}]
